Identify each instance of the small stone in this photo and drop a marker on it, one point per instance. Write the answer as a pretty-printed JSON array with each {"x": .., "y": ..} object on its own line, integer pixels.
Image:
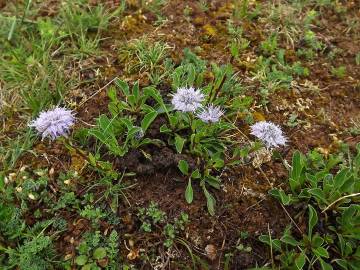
[
  {"x": 68, "y": 256},
  {"x": 67, "y": 182},
  {"x": 12, "y": 177},
  {"x": 133, "y": 254},
  {"x": 211, "y": 252}
]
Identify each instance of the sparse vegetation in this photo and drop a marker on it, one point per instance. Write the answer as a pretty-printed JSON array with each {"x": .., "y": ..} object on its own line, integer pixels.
[{"x": 172, "y": 134}]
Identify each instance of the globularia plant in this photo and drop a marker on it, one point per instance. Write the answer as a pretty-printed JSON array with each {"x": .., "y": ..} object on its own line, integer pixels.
[
  {"x": 187, "y": 99},
  {"x": 54, "y": 123},
  {"x": 269, "y": 133},
  {"x": 210, "y": 114},
  {"x": 203, "y": 120}
]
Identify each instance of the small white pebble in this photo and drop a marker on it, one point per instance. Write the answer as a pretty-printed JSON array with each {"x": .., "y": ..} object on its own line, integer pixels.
[
  {"x": 67, "y": 182},
  {"x": 40, "y": 173},
  {"x": 12, "y": 177}
]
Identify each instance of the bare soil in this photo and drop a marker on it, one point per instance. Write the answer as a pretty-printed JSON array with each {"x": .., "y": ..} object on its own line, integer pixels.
[{"x": 324, "y": 104}]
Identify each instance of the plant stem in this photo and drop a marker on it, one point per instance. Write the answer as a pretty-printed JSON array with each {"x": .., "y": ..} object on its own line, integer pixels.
[{"x": 339, "y": 199}]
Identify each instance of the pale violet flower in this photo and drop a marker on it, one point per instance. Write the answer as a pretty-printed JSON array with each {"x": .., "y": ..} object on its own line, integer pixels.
[
  {"x": 187, "y": 99},
  {"x": 54, "y": 123},
  {"x": 139, "y": 134},
  {"x": 269, "y": 133},
  {"x": 210, "y": 114}
]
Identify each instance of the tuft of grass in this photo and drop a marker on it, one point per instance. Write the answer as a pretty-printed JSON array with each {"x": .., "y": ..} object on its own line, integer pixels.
[
  {"x": 339, "y": 72},
  {"x": 11, "y": 151}
]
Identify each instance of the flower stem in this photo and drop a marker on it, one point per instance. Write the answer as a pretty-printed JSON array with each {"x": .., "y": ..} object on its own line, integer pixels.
[{"x": 191, "y": 122}]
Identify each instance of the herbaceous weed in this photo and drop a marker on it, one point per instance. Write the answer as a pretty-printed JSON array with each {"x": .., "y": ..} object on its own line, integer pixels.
[{"x": 328, "y": 190}]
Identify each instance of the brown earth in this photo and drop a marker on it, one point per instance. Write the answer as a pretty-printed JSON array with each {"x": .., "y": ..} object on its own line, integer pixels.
[{"x": 324, "y": 104}]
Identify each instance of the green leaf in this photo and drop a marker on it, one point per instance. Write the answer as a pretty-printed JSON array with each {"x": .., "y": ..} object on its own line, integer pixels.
[
  {"x": 114, "y": 204},
  {"x": 2, "y": 180},
  {"x": 300, "y": 261},
  {"x": 131, "y": 100},
  {"x": 294, "y": 185},
  {"x": 155, "y": 94},
  {"x": 81, "y": 260},
  {"x": 213, "y": 181},
  {"x": 136, "y": 91},
  {"x": 324, "y": 265},
  {"x": 164, "y": 129},
  {"x": 340, "y": 178},
  {"x": 196, "y": 174},
  {"x": 357, "y": 253},
  {"x": 304, "y": 195},
  {"x": 342, "y": 263},
  {"x": 112, "y": 94},
  {"x": 89, "y": 266},
  {"x": 183, "y": 75},
  {"x": 211, "y": 202},
  {"x": 260, "y": 268},
  {"x": 12, "y": 28},
  {"x": 124, "y": 87},
  {"x": 313, "y": 219},
  {"x": 147, "y": 120},
  {"x": 183, "y": 167},
  {"x": 296, "y": 165},
  {"x": 271, "y": 242},
  {"x": 189, "y": 194},
  {"x": 173, "y": 120},
  {"x": 265, "y": 239},
  {"x": 321, "y": 252},
  {"x": 92, "y": 159},
  {"x": 318, "y": 194},
  {"x": 147, "y": 108},
  {"x": 342, "y": 244},
  {"x": 317, "y": 241},
  {"x": 285, "y": 199},
  {"x": 348, "y": 185},
  {"x": 295, "y": 174},
  {"x": 288, "y": 239},
  {"x": 99, "y": 253},
  {"x": 179, "y": 143}
]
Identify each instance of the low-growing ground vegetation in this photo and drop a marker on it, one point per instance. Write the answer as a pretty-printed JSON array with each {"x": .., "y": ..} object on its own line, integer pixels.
[{"x": 176, "y": 134}]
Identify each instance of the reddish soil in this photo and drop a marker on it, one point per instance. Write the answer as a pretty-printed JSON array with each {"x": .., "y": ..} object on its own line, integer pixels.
[{"x": 243, "y": 204}]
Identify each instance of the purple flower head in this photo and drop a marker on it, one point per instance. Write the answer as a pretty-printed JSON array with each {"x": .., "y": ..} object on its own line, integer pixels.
[
  {"x": 54, "y": 123},
  {"x": 210, "y": 114},
  {"x": 187, "y": 99},
  {"x": 139, "y": 134},
  {"x": 269, "y": 133}
]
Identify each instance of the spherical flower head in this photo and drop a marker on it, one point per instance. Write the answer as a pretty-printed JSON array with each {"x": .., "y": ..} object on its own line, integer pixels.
[
  {"x": 210, "y": 114},
  {"x": 139, "y": 134},
  {"x": 187, "y": 99},
  {"x": 269, "y": 133},
  {"x": 54, "y": 123}
]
